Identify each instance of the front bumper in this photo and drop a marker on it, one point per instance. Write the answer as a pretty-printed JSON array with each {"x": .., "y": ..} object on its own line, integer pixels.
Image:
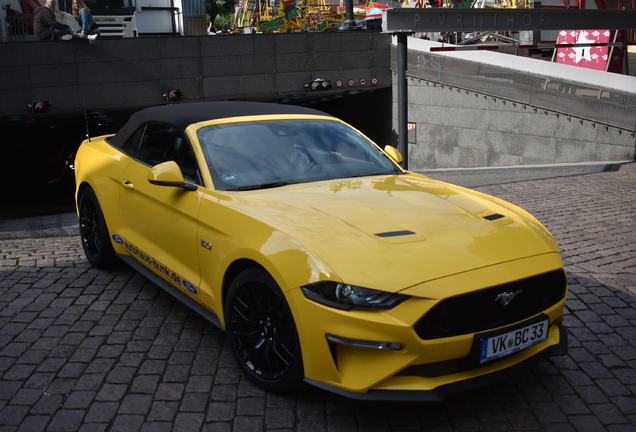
[
  {"x": 442, "y": 392},
  {"x": 420, "y": 369}
]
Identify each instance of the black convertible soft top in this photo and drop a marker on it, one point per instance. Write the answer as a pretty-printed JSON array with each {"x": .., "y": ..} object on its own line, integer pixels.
[{"x": 184, "y": 114}]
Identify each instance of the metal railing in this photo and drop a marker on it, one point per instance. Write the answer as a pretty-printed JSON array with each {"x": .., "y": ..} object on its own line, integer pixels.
[
  {"x": 586, "y": 101},
  {"x": 19, "y": 28}
]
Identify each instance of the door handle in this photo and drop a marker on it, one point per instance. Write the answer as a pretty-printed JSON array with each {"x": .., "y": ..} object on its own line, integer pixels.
[{"x": 128, "y": 184}]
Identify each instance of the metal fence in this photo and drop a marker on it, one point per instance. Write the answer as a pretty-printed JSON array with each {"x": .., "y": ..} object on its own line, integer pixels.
[{"x": 590, "y": 102}]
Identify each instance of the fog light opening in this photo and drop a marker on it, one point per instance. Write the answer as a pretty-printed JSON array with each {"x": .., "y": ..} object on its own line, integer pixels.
[{"x": 392, "y": 346}]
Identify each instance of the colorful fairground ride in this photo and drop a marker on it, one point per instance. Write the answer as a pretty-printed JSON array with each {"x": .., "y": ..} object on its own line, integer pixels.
[
  {"x": 281, "y": 16},
  {"x": 465, "y": 4},
  {"x": 289, "y": 16}
]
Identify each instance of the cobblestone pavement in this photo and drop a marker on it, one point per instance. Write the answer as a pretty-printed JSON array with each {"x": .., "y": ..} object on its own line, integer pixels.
[{"x": 82, "y": 349}]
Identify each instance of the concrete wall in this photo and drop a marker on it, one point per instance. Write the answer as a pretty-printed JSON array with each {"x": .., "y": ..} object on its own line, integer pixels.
[
  {"x": 134, "y": 72},
  {"x": 460, "y": 128}
]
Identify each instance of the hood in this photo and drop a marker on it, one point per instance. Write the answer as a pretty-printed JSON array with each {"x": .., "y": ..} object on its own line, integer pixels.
[{"x": 392, "y": 232}]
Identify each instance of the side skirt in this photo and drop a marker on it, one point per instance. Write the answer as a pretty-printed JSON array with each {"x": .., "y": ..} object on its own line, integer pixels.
[{"x": 208, "y": 315}]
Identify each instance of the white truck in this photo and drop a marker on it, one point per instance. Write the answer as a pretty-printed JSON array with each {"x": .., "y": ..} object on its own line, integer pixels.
[
  {"x": 132, "y": 18},
  {"x": 115, "y": 18}
]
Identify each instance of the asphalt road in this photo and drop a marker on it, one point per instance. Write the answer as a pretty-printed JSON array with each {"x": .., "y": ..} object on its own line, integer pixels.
[{"x": 89, "y": 350}]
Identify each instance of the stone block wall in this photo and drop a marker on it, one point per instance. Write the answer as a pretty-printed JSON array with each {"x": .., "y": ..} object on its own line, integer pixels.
[{"x": 135, "y": 72}]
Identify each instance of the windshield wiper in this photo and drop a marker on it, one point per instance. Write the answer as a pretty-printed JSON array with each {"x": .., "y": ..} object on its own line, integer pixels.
[
  {"x": 395, "y": 171},
  {"x": 260, "y": 186}
]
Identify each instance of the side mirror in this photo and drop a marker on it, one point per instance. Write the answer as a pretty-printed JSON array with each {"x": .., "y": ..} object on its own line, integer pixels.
[
  {"x": 169, "y": 174},
  {"x": 394, "y": 153}
]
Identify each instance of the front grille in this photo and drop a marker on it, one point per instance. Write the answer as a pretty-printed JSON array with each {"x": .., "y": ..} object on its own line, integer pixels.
[{"x": 478, "y": 311}]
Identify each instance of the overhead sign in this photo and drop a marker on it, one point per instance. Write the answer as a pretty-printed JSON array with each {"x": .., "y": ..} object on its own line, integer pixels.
[{"x": 408, "y": 20}]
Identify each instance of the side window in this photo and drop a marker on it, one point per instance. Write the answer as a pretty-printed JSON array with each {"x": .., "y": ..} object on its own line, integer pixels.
[
  {"x": 161, "y": 142},
  {"x": 131, "y": 146},
  {"x": 156, "y": 142},
  {"x": 183, "y": 155}
]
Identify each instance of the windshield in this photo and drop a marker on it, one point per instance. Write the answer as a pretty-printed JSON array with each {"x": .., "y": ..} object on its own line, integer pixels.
[
  {"x": 110, "y": 7},
  {"x": 255, "y": 155}
]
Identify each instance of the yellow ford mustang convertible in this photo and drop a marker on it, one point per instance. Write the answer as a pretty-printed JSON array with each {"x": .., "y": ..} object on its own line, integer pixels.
[{"x": 320, "y": 257}]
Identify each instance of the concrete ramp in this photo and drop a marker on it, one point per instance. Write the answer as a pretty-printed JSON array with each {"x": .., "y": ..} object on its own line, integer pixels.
[{"x": 484, "y": 108}]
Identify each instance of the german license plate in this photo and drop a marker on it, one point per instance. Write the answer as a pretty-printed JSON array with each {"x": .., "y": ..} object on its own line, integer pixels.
[{"x": 510, "y": 342}]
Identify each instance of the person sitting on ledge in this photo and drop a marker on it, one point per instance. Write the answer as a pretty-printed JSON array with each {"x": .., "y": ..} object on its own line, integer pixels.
[
  {"x": 46, "y": 27},
  {"x": 88, "y": 28}
]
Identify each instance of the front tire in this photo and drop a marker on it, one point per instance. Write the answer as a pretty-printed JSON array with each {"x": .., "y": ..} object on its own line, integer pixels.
[
  {"x": 261, "y": 332},
  {"x": 93, "y": 231}
]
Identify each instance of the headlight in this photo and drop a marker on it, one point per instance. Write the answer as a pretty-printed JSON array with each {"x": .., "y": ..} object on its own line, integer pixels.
[{"x": 346, "y": 297}]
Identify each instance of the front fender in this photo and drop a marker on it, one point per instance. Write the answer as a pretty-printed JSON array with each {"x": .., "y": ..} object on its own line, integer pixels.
[
  {"x": 286, "y": 260},
  {"x": 233, "y": 236}
]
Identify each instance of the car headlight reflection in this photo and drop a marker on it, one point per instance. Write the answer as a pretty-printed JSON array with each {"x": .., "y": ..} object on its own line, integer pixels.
[{"x": 346, "y": 297}]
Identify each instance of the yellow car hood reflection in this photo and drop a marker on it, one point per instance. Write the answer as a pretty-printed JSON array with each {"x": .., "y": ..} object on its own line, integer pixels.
[{"x": 397, "y": 230}]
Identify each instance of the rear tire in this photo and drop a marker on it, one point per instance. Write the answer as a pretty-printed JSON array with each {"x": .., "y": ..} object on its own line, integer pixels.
[
  {"x": 93, "y": 231},
  {"x": 261, "y": 332}
]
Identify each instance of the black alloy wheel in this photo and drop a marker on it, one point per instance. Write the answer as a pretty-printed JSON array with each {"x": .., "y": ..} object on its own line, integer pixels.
[
  {"x": 261, "y": 331},
  {"x": 93, "y": 232}
]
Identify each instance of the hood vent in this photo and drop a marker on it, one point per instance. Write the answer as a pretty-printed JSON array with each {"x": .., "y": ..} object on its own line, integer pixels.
[
  {"x": 494, "y": 216},
  {"x": 395, "y": 233}
]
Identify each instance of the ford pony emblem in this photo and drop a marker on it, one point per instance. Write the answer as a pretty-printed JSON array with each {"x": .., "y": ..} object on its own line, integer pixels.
[{"x": 504, "y": 298}]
